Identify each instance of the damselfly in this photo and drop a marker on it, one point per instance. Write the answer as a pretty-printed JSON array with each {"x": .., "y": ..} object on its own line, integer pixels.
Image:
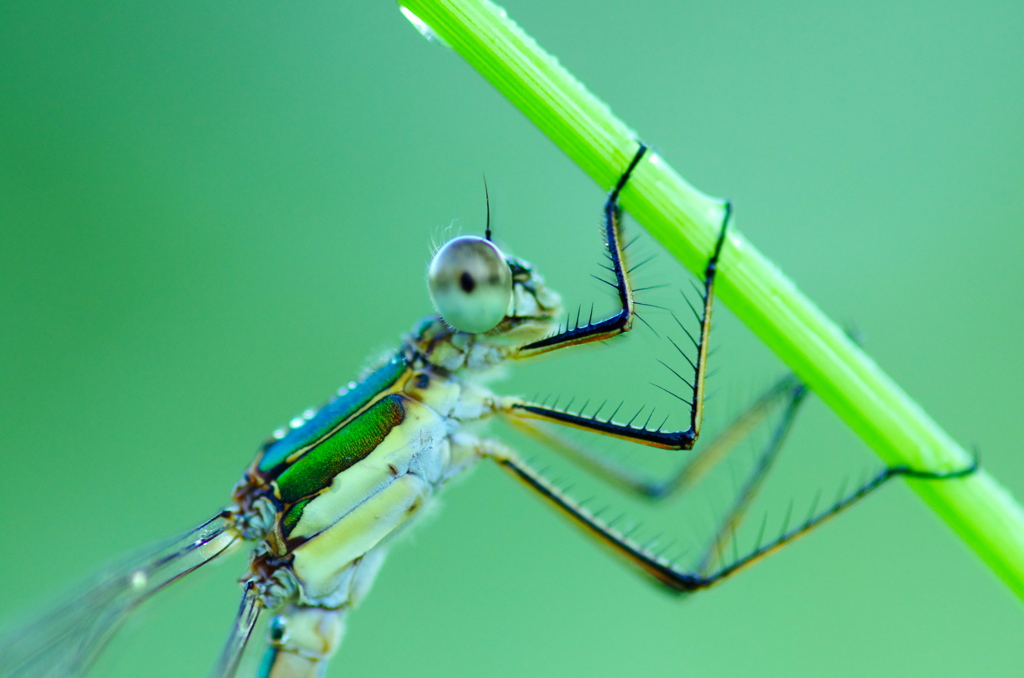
[{"x": 325, "y": 496}]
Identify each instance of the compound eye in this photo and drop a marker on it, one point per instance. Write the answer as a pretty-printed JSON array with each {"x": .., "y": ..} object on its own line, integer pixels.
[{"x": 470, "y": 284}]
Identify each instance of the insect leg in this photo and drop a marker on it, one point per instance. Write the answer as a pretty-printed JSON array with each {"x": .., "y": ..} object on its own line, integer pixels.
[
  {"x": 672, "y": 440},
  {"x": 622, "y": 320},
  {"x": 784, "y": 391},
  {"x": 755, "y": 481},
  {"x": 661, "y": 569}
]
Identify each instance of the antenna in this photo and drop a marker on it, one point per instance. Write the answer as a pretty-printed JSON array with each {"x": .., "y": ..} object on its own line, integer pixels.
[{"x": 487, "y": 200}]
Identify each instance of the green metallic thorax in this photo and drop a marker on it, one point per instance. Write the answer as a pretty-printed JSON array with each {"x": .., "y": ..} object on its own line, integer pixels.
[
  {"x": 283, "y": 450},
  {"x": 297, "y": 463}
]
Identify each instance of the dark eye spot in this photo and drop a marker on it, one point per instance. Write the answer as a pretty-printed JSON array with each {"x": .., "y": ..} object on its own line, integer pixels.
[
  {"x": 423, "y": 381},
  {"x": 466, "y": 282}
]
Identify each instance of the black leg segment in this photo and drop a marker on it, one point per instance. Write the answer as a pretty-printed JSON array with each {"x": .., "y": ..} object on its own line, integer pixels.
[
  {"x": 621, "y": 321},
  {"x": 656, "y": 437},
  {"x": 672, "y": 576}
]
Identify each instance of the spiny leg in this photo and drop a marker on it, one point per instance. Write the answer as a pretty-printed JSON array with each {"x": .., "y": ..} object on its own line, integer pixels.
[
  {"x": 660, "y": 568},
  {"x": 755, "y": 480},
  {"x": 814, "y": 520},
  {"x": 789, "y": 390},
  {"x": 657, "y": 437},
  {"x": 785, "y": 390},
  {"x": 622, "y": 320}
]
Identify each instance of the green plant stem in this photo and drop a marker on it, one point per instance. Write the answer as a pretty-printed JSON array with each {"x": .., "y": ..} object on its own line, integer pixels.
[{"x": 686, "y": 222}]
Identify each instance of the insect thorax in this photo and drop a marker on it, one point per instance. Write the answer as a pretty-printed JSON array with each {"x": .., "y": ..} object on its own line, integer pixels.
[{"x": 325, "y": 494}]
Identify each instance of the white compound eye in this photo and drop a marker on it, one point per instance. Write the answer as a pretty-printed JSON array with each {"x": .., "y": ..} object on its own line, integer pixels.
[{"x": 470, "y": 284}]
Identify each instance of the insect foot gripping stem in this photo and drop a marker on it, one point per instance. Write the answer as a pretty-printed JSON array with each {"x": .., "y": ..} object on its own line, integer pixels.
[{"x": 302, "y": 641}]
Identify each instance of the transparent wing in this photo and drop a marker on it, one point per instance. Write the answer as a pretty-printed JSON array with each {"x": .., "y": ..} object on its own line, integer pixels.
[{"x": 65, "y": 641}]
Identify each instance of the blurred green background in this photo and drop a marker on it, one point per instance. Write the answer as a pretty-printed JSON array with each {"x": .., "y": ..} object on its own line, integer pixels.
[{"x": 211, "y": 214}]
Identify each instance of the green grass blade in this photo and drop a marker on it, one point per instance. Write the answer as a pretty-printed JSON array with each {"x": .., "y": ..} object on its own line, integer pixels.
[{"x": 686, "y": 222}]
